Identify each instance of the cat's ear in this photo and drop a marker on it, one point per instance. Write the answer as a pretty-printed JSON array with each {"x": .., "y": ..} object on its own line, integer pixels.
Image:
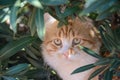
[{"x": 49, "y": 20}]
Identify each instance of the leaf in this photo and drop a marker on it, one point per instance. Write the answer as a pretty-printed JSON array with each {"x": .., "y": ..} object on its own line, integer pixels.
[
  {"x": 103, "y": 15},
  {"x": 16, "y": 69},
  {"x": 54, "y": 2},
  {"x": 114, "y": 65},
  {"x": 70, "y": 11},
  {"x": 90, "y": 52},
  {"x": 108, "y": 75},
  {"x": 8, "y": 78},
  {"x": 13, "y": 15},
  {"x": 39, "y": 20},
  {"x": 103, "y": 61},
  {"x": 13, "y": 47},
  {"x": 6, "y": 2},
  {"x": 35, "y": 3},
  {"x": 92, "y": 7},
  {"x": 102, "y": 33},
  {"x": 96, "y": 72},
  {"x": 31, "y": 22},
  {"x": 83, "y": 68},
  {"x": 35, "y": 62}
]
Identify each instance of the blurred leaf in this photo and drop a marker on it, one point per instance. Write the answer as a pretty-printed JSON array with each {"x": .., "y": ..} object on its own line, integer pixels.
[
  {"x": 54, "y": 2},
  {"x": 35, "y": 62},
  {"x": 29, "y": 51},
  {"x": 70, "y": 11},
  {"x": 31, "y": 23},
  {"x": 39, "y": 73},
  {"x": 39, "y": 20},
  {"x": 108, "y": 75},
  {"x": 8, "y": 78},
  {"x": 90, "y": 52},
  {"x": 6, "y": 3},
  {"x": 35, "y": 3},
  {"x": 16, "y": 69},
  {"x": 104, "y": 39},
  {"x": 103, "y": 15},
  {"x": 92, "y": 7},
  {"x": 106, "y": 6},
  {"x": 13, "y": 15},
  {"x": 103, "y": 61},
  {"x": 96, "y": 72},
  {"x": 114, "y": 65},
  {"x": 83, "y": 68},
  {"x": 12, "y": 47}
]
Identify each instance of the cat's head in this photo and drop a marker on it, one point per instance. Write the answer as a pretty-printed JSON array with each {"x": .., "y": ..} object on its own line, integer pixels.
[{"x": 64, "y": 41}]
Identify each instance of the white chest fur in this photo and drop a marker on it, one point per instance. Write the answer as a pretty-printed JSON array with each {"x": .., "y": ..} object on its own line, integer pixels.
[{"x": 65, "y": 67}]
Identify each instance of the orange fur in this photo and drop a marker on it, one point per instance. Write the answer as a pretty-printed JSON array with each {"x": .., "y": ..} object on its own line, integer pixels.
[{"x": 61, "y": 51}]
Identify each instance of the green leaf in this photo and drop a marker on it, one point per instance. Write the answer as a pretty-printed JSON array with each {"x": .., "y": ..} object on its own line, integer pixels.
[
  {"x": 54, "y": 2},
  {"x": 96, "y": 72},
  {"x": 114, "y": 65},
  {"x": 102, "y": 33},
  {"x": 31, "y": 22},
  {"x": 70, "y": 11},
  {"x": 35, "y": 3},
  {"x": 106, "y": 6},
  {"x": 103, "y": 15},
  {"x": 83, "y": 68},
  {"x": 92, "y": 7},
  {"x": 103, "y": 61},
  {"x": 13, "y": 15},
  {"x": 39, "y": 20},
  {"x": 8, "y": 78},
  {"x": 108, "y": 75},
  {"x": 13, "y": 47},
  {"x": 6, "y": 3},
  {"x": 16, "y": 69},
  {"x": 90, "y": 52}
]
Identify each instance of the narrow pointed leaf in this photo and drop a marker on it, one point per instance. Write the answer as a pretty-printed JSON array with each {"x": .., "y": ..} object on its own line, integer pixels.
[
  {"x": 83, "y": 68},
  {"x": 90, "y": 52},
  {"x": 108, "y": 75},
  {"x": 31, "y": 22},
  {"x": 96, "y": 72},
  {"x": 13, "y": 47},
  {"x": 39, "y": 19},
  {"x": 103, "y": 61},
  {"x": 13, "y": 15},
  {"x": 16, "y": 69}
]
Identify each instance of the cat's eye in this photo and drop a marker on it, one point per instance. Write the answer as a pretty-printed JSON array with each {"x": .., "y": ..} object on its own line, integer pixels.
[
  {"x": 76, "y": 41},
  {"x": 57, "y": 42}
]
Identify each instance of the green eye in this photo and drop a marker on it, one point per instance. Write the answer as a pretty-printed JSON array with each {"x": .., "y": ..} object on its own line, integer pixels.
[
  {"x": 57, "y": 42},
  {"x": 76, "y": 41}
]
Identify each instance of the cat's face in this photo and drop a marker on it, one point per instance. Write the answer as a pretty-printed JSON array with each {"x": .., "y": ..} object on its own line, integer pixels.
[{"x": 65, "y": 41}]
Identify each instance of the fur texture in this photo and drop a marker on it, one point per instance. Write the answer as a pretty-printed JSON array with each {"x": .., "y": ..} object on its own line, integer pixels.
[{"x": 60, "y": 47}]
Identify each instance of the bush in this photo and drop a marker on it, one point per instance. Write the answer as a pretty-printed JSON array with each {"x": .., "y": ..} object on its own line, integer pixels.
[{"x": 22, "y": 32}]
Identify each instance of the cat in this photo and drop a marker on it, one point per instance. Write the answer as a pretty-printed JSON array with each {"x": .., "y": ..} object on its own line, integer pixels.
[{"x": 60, "y": 47}]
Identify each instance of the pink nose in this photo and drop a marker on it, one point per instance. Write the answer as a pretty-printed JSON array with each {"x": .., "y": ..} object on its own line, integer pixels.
[{"x": 68, "y": 53}]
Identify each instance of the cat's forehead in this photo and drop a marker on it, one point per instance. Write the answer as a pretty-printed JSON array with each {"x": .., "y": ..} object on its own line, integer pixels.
[{"x": 66, "y": 32}]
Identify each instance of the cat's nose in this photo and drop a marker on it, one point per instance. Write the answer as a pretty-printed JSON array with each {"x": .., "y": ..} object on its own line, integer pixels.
[{"x": 69, "y": 53}]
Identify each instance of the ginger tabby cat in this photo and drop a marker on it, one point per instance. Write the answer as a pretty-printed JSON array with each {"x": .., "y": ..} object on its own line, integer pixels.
[{"x": 60, "y": 47}]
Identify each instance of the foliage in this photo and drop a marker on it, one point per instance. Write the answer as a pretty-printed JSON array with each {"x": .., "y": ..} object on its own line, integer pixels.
[{"x": 22, "y": 31}]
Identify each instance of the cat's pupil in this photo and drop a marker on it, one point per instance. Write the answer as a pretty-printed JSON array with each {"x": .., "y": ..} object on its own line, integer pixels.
[
  {"x": 57, "y": 42},
  {"x": 76, "y": 41}
]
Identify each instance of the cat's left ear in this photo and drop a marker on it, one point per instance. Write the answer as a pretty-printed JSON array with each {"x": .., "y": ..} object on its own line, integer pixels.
[{"x": 48, "y": 19}]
